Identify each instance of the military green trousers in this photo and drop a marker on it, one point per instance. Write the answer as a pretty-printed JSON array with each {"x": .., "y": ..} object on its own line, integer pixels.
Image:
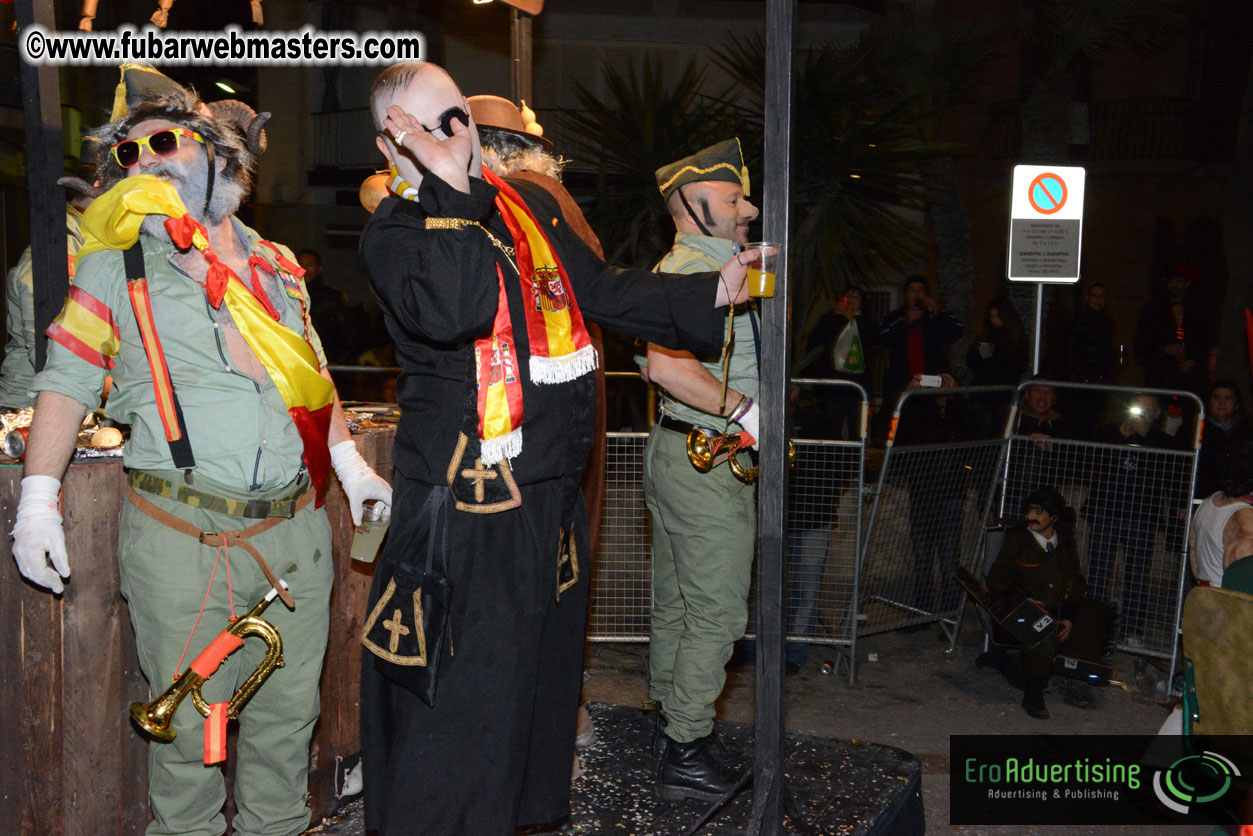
[
  {"x": 704, "y": 530},
  {"x": 164, "y": 576}
]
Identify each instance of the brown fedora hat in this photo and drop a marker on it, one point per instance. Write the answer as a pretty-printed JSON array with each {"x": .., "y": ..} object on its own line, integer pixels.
[{"x": 500, "y": 114}]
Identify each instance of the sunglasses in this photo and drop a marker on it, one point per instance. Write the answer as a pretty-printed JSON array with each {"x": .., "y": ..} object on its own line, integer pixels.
[
  {"x": 446, "y": 119},
  {"x": 162, "y": 143}
]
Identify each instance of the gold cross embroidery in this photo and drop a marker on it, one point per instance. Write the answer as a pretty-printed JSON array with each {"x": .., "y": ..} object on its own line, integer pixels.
[
  {"x": 475, "y": 501},
  {"x": 396, "y": 627},
  {"x": 479, "y": 475}
]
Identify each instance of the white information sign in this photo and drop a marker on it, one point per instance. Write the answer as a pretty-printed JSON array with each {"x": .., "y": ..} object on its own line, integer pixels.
[{"x": 1046, "y": 224}]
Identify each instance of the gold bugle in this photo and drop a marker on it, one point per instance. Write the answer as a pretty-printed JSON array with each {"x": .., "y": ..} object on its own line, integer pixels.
[
  {"x": 705, "y": 452},
  {"x": 156, "y": 717}
]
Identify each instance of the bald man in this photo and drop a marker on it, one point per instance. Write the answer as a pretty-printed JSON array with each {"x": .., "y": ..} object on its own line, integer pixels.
[{"x": 484, "y": 288}]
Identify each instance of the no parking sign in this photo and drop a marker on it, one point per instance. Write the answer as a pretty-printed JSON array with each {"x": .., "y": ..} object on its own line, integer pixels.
[{"x": 1046, "y": 224}]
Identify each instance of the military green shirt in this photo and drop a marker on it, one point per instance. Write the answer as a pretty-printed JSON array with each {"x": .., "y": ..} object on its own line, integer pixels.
[
  {"x": 18, "y": 368},
  {"x": 240, "y": 431},
  {"x": 697, "y": 254}
]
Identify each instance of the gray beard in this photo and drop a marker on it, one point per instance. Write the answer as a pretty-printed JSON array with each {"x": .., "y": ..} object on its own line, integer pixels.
[{"x": 191, "y": 185}]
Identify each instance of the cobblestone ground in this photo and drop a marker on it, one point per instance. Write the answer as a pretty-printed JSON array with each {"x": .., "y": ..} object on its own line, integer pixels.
[{"x": 912, "y": 697}]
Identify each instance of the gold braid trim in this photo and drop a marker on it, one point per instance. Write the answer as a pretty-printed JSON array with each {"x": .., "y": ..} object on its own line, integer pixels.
[
  {"x": 462, "y": 223},
  {"x": 449, "y": 223}
]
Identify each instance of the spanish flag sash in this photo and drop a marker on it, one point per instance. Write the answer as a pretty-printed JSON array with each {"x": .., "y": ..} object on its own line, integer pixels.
[
  {"x": 499, "y": 386},
  {"x": 113, "y": 221},
  {"x": 561, "y": 349}
]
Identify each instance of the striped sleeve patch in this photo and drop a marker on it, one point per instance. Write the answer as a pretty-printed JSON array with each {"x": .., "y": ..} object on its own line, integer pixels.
[{"x": 85, "y": 327}]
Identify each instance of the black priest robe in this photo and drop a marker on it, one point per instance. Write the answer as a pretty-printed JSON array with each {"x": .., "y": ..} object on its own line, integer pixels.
[{"x": 495, "y": 750}]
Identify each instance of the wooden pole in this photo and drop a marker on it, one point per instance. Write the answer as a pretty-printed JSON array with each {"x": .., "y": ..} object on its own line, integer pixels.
[
  {"x": 41, "y": 106},
  {"x": 773, "y": 473}
]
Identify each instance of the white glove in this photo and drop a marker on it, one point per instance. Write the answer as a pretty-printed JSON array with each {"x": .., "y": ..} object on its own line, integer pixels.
[
  {"x": 751, "y": 421},
  {"x": 358, "y": 479},
  {"x": 38, "y": 536}
]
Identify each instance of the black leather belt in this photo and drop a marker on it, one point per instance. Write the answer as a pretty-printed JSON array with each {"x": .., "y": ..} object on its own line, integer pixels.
[{"x": 682, "y": 426}]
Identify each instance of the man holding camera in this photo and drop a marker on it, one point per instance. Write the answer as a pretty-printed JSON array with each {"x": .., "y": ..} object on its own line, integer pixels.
[
  {"x": 1124, "y": 508},
  {"x": 916, "y": 336}
]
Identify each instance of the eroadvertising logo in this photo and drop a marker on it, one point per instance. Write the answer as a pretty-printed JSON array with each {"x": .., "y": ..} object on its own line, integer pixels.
[
  {"x": 1100, "y": 779},
  {"x": 1194, "y": 779}
]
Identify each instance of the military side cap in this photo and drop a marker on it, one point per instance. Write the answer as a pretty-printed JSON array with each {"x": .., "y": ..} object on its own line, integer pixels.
[
  {"x": 140, "y": 83},
  {"x": 723, "y": 161}
]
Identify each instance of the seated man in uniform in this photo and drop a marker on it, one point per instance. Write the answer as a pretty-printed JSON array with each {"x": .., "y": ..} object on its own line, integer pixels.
[{"x": 1040, "y": 562}]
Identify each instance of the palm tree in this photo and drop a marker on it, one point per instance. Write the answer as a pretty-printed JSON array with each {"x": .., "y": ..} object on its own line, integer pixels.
[
  {"x": 864, "y": 139},
  {"x": 642, "y": 124},
  {"x": 862, "y": 144}
]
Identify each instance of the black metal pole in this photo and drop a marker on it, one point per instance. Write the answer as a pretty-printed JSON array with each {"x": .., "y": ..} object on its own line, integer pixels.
[
  {"x": 41, "y": 106},
  {"x": 773, "y": 474}
]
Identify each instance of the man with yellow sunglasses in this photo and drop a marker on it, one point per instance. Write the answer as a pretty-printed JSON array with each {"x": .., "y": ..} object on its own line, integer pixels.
[
  {"x": 235, "y": 425},
  {"x": 162, "y": 143}
]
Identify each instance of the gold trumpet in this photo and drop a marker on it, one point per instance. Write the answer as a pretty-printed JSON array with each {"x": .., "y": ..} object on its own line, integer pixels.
[
  {"x": 706, "y": 452},
  {"x": 155, "y": 717}
]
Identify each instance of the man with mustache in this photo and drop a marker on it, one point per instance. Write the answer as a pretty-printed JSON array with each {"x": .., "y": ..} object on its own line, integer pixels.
[
  {"x": 1039, "y": 561},
  {"x": 704, "y": 524},
  {"x": 234, "y": 426}
]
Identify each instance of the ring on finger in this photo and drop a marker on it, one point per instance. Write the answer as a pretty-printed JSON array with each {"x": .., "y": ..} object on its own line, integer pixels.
[
  {"x": 400, "y": 137},
  {"x": 737, "y": 259}
]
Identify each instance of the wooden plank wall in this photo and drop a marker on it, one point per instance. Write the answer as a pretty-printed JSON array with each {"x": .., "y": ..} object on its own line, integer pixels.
[
  {"x": 337, "y": 734},
  {"x": 72, "y": 673},
  {"x": 74, "y": 764}
]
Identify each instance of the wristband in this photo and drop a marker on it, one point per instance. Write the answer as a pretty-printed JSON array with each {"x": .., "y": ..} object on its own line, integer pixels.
[{"x": 746, "y": 403}]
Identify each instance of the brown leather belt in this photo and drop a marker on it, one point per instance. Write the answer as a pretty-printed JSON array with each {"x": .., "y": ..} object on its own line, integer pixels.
[{"x": 224, "y": 538}]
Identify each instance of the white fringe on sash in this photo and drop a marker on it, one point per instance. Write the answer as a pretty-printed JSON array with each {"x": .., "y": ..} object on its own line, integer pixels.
[
  {"x": 565, "y": 368},
  {"x": 492, "y": 450}
]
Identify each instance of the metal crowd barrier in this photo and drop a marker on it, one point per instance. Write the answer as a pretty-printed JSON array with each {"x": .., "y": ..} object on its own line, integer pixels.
[
  {"x": 622, "y": 569},
  {"x": 930, "y": 505},
  {"x": 1132, "y": 505},
  {"x": 824, "y": 530},
  {"x": 824, "y": 526}
]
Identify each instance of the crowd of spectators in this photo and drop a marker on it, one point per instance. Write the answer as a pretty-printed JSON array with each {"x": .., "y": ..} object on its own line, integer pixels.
[{"x": 1171, "y": 346}]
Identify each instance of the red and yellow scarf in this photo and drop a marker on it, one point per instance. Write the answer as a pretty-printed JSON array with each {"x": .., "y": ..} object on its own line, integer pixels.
[
  {"x": 561, "y": 349},
  {"x": 113, "y": 221}
]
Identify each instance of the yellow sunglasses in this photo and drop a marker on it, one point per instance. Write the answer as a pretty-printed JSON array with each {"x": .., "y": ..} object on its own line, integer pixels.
[{"x": 162, "y": 143}]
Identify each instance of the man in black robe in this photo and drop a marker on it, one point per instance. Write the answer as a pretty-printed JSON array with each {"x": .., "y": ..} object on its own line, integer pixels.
[{"x": 483, "y": 285}]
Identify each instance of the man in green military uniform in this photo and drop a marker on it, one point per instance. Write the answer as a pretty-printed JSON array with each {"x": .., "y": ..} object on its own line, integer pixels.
[
  {"x": 205, "y": 330},
  {"x": 18, "y": 368},
  {"x": 703, "y": 523},
  {"x": 1040, "y": 562}
]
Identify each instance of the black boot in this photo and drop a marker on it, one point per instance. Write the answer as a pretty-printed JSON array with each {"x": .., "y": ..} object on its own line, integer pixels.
[
  {"x": 1033, "y": 698},
  {"x": 731, "y": 760},
  {"x": 689, "y": 770},
  {"x": 660, "y": 741}
]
